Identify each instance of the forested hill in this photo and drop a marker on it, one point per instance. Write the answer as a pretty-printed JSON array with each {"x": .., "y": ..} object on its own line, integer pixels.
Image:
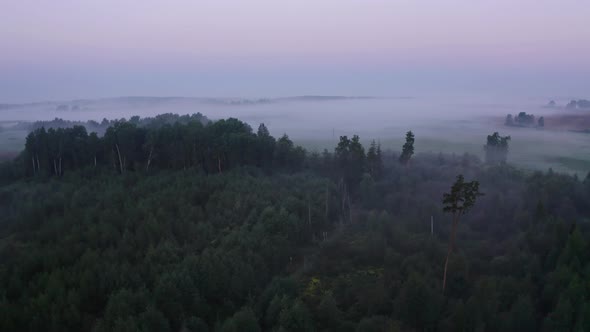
[{"x": 209, "y": 226}]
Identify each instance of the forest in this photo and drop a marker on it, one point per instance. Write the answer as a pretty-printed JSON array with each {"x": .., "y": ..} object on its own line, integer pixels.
[
  {"x": 524, "y": 120},
  {"x": 180, "y": 223}
]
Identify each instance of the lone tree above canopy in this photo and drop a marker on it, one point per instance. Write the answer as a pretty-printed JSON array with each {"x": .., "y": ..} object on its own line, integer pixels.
[
  {"x": 407, "y": 149},
  {"x": 458, "y": 202},
  {"x": 496, "y": 148}
]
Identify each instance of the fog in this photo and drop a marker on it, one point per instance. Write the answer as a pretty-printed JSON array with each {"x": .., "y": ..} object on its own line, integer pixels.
[
  {"x": 441, "y": 124},
  {"x": 449, "y": 72}
]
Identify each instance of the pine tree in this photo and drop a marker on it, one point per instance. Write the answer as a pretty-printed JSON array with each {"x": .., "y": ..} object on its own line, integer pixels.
[
  {"x": 458, "y": 202},
  {"x": 407, "y": 149},
  {"x": 374, "y": 161}
]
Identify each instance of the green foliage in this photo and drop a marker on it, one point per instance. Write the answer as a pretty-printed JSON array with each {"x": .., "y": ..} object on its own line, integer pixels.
[
  {"x": 242, "y": 321},
  {"x": 153, "y": 320},
  {"x": 296, "y": 318},
  {"x": 350, "y": 160},
  {"x": 419, "y": 305},
  {"x": 407, "y": 149},
  {"x": 209, "y": 226},
  {"x": 195, "y": 324},
  {"x": 525, "y": 120},
  {"x": 171, "y": 142},
  {"x": 521, "y": 120},
  {"x": 522, "y": 316},
  {"x": 368, "y": 191},
  {"x": 496, "y": 148},
  {"x": 462, "y": 196},
  {"x": 375, "y": 160},
  {"x": 376, "y": 324},
  {"x": 328, "y": 313}
]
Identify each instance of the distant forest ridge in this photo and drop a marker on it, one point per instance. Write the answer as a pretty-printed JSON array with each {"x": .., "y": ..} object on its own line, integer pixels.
[
  {"x": 573, "y": 104},
  {"x": 78, "y": 104},
  {"x": 100, "y": 127}
]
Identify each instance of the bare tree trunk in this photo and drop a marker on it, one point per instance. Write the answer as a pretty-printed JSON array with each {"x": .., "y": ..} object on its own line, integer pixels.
[
  {"x": 431, "y": 225},
  {"x": 149, "y": 161},
  {"x": 349, "y": 208},
  {"x": 95, "y": 161},
  {"x": 327, "y": 198},
  {"x": 219, "y": 164},
  {"x": 194, "y": 156},
  {"x": 54, "y": 167},
  {"x": 120, "y": 161},
  {"x": 308, "y": 212},
  {"x": 309, "y": 218},
  {"x": 33, "y": 160},
  {"x": 450, "y": 250},
  {"x": 38, "y": 166},
  {"x": 343, "y": 201}
]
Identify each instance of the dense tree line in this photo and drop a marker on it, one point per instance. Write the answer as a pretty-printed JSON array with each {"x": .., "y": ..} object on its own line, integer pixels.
[
  {"x": 137, "y": 145},
  {"x": 193, "y": 226}
]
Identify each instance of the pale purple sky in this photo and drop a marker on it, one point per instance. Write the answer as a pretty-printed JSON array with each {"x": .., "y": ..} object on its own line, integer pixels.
[{"x": 65, "y": 49}]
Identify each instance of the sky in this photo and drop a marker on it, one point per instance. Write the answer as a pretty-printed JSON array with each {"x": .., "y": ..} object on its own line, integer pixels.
[{"x": 68, "y": 49}]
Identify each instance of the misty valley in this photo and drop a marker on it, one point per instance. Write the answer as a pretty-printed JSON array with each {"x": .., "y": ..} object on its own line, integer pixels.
[
  {"x": 444, "y": 124},
  {"x": 294, "y": 166},
  {"x": 295, "y": 214}
]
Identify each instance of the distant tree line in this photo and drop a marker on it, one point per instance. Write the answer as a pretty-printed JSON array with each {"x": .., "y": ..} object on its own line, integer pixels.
[
  {"x": 524, "y": 120},
  {"x": 572, "y": 104},
  {"x": 101, "y": 127},
  {"x": 193, "y": 142},
  {"x": 578, "y": 104}
]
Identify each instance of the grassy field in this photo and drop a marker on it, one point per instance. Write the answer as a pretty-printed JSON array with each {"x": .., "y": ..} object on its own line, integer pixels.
[
  {"x": 529, "y": 152},
  {"x": 571, "y": 163}
]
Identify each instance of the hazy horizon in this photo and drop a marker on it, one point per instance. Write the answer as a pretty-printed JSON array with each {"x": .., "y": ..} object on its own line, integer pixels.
[
  {"x": 464, "y": 64},
  {"x": 65, "y": 50}
]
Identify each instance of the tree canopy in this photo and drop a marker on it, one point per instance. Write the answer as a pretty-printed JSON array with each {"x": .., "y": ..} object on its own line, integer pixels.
[
  {"x": 496, "y": 148},
  {"x": 210, "y": 226}
]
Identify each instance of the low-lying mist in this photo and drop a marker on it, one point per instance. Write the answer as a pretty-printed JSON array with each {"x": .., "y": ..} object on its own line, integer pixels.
[{"x": 449, "y": 125}]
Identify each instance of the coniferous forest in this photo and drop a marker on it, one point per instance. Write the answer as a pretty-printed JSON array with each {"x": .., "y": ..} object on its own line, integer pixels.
[{"x": 179, "y": 223}]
